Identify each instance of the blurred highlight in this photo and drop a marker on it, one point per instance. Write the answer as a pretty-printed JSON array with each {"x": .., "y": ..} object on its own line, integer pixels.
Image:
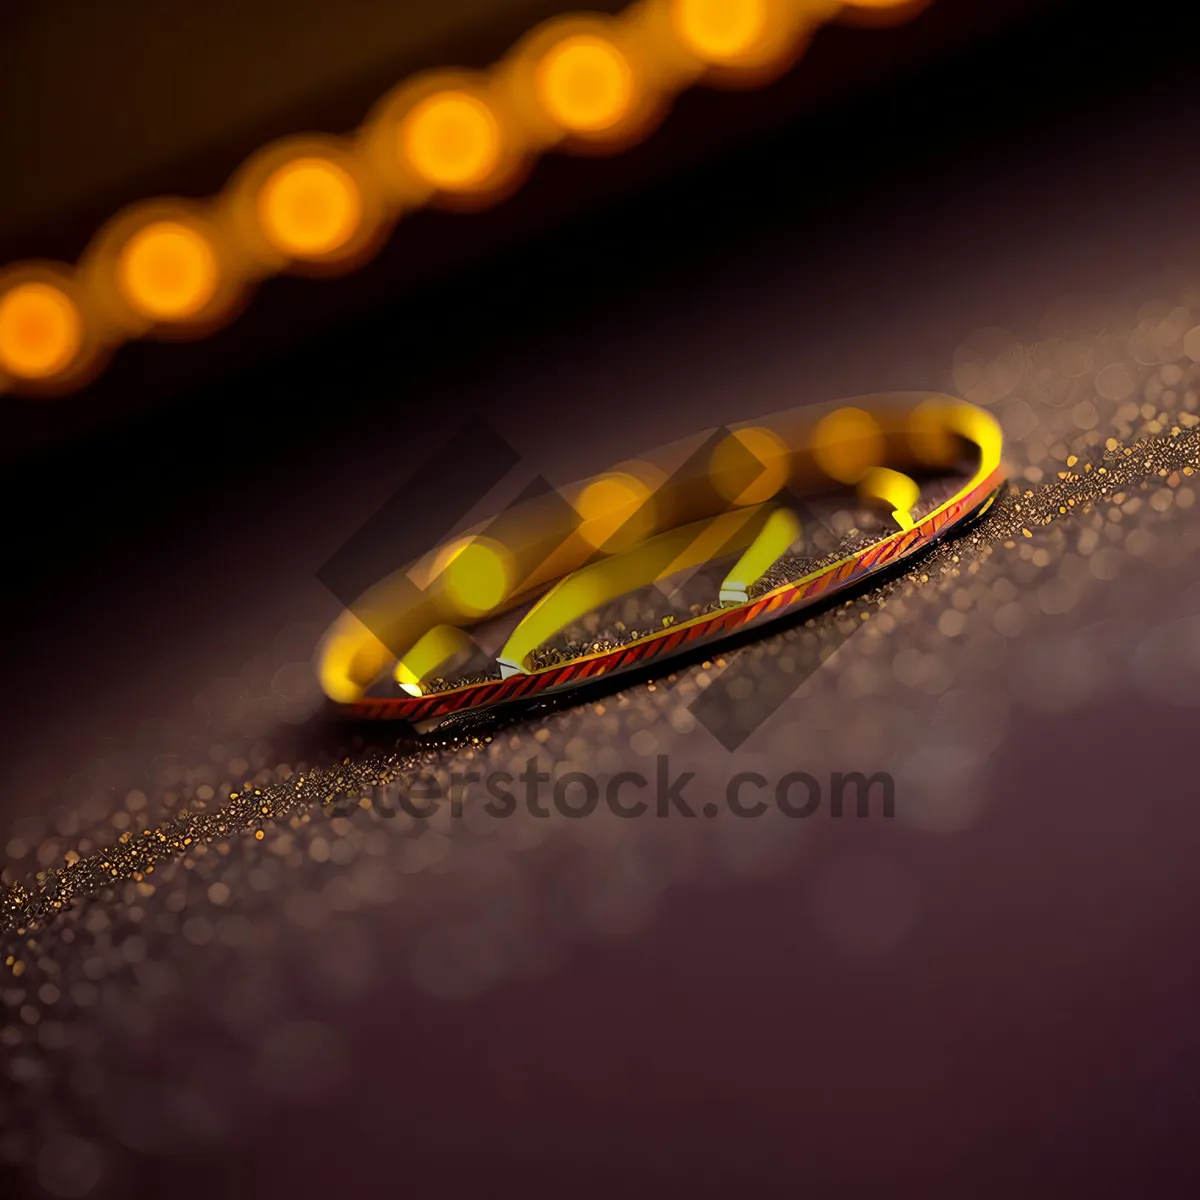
[
  {"x": 41, "y": 331},
  {"x": 746, "y": 43},
  {"x": 479, "y": 577},
  {"x": 585, "y": 84},
  {"x": 309, "y": 208},
  {"x": 750, "y": 465},
  {"x": 452, "y": 140},
  {"x": 580, "y": 84},
  {"x": 614, "y": 506},
  {"x": 721, "y": 31},
  {"x": 847, "y": 444},
  {"x": 167, "y": 272}
]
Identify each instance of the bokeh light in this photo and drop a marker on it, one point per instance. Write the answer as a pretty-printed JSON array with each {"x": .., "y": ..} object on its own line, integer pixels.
[
  {"x": 167, "y": 271},
  {"x": 750, "y": 465},
  {"x": 720, "y": 31},
  {"x": 309, "y": 207},
  {"x": 847, "y": 443},
  {"x": 452, "y": 140},
  {"x": 930, "y": 436},
  {"x": 321, "y": 205},
  {"x": 478, "y": 576},
  {"x": 585, "y": 84},
  {"x": 613, "y": 506},
  {"x": 879, "y": 13},
  {"x": 41, "y": 331}
]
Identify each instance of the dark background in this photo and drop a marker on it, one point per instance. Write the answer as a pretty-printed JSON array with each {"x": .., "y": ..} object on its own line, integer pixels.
[{"x": 1040, "y": 1038}]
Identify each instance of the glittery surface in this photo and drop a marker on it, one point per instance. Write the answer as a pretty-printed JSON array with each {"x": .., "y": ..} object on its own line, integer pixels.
[{"x": 196, "y": 898}]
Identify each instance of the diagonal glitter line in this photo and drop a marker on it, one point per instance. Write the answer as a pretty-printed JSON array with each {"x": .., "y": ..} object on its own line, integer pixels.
[{"x": 29, "y": 906}]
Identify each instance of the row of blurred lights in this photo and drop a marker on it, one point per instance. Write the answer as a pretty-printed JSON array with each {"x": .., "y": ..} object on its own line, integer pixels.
[{"x": 456, "y": 139}]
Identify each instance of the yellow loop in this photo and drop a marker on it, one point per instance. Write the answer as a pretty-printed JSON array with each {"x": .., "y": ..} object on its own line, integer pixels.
[
  {"x": 772, "y": 542},
  {"x": 433, "y": 652},
  {"x": 897, "y": 491}
]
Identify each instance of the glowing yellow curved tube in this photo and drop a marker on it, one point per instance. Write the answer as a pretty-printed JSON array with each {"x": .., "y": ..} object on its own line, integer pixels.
[
  {"x": 437, "y": 650},
  {"x": 895, "y": 490},
  {"x": 608, "y": 580},
  {"x": 779, "y": 531},
  {"x": 870, "y": 443}
]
